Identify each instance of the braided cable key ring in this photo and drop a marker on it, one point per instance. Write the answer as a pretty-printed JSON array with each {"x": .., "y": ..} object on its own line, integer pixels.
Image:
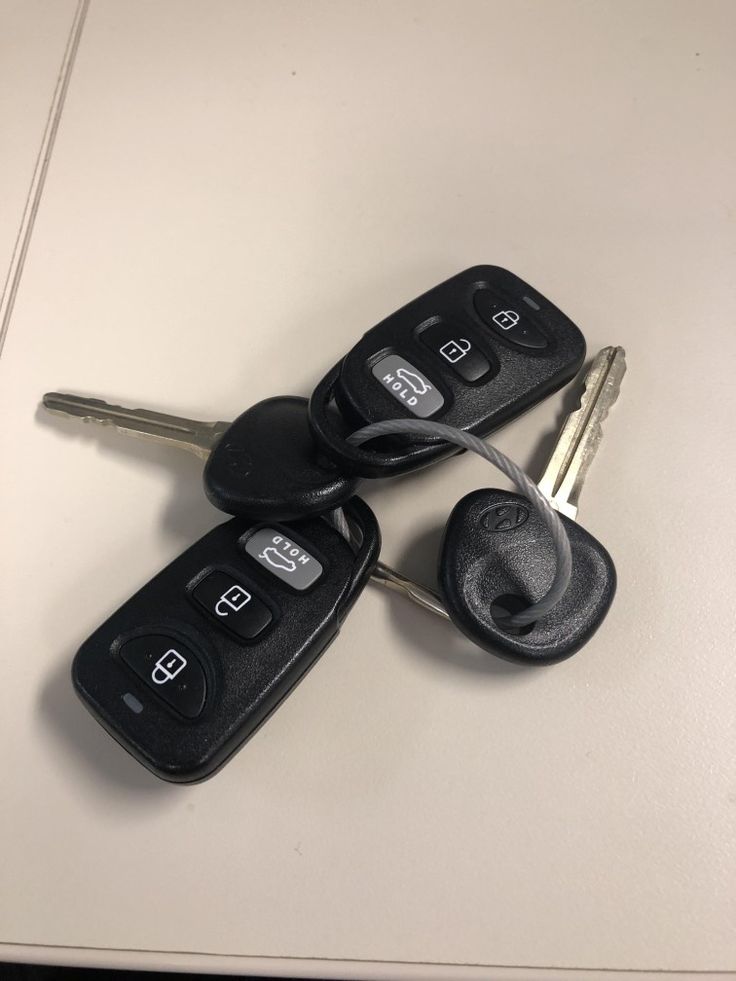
[
  {"x": 563, "y": 573},
  {"x": 538, "y": 593}
]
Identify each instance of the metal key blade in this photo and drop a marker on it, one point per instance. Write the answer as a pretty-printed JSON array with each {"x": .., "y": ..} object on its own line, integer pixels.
[
  {"x": 582, "y": 432},
  {"x": 192, "y": 435},
  {"x": 384, "y": 575}
]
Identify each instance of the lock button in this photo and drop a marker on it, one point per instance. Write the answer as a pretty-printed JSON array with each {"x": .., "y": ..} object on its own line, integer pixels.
[
  {"x": 513, "y": 325},
  {"x": 457, "y": 347},
  {"x": 170, "y": 669}
]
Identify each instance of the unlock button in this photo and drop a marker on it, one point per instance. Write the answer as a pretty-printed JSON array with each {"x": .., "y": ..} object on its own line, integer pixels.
[
  {"x": 458, "y": 348},
  {"x": 232, "y": 605}
]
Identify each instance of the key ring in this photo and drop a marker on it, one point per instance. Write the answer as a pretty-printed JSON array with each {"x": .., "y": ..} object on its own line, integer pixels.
[
  {"x": 526, "y": 485},
  {"x": 355, "y": 460}
]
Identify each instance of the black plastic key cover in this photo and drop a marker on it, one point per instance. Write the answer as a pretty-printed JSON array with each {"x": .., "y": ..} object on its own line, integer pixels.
[
  {"x": 267, "y": 466},
  {"x": 181, "y": 677},
  {"x": 497, "y": 557},
  {"x": 474, "y": 353}
]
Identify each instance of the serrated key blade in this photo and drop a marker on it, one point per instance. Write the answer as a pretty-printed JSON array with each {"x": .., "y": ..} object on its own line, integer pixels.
[
  {"x": 582, "y": 432},
  {"x": 192, "y": 435}
]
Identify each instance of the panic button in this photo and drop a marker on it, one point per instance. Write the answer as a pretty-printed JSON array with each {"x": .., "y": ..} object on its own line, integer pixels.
[
  {"x": 284, "y": 558},
  {"x": 408, "y": 385}
]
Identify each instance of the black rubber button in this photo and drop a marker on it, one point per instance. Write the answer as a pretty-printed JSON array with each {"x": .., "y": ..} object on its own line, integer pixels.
[
  {"x": 507, "y": 322},
  {"x": 169, "y": 669},
  {"x": 232, "y": 605},
  {"x": 458, "y": 348}
]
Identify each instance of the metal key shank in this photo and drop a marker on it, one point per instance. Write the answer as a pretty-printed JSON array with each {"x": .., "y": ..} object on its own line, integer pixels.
[
  {"x": 581, "y": 433},
  {"x": 192, "y": 435}
]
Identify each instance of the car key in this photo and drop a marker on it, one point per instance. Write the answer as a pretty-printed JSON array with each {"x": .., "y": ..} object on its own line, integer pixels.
[
  {"x": 497, "y": 556},
  {"x": 196, "y": 660},
  {"x": 473, "y": 353},
  {"x": 265, "y": 464}
]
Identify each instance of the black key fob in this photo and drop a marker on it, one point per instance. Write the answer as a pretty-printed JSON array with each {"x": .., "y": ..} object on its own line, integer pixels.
[
  {"x": 473, "y": 353},
  {"x": 190, "y": 666},
  {"x": 497, "y": 557}
]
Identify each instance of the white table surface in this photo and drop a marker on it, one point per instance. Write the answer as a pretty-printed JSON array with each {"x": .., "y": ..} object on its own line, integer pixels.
[
  {"x": 237, "y": 190},
  {"x": 34, "y": 53}
]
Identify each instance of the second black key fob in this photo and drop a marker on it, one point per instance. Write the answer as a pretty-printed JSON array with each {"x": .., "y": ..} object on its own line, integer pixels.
[
  {"x": 473, "y": 353},
  {"x": 193, "y": 663}
]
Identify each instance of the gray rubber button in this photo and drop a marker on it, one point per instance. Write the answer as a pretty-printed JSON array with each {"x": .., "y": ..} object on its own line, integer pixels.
[
  {"x": 283, "y": 558},
  {"x": 408, "y": 385}
]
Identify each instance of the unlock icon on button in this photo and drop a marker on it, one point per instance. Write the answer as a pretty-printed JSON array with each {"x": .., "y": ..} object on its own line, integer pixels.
[
  {"x": 233, "y": 599},
  {"x": 454, "y": 350}
]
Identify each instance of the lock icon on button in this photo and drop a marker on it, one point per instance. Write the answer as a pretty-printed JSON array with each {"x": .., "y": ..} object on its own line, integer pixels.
[
  {"x": 168, "y": 667},
  {"x": 454, "y": 350},
  {"x": 506, "y": 319}
]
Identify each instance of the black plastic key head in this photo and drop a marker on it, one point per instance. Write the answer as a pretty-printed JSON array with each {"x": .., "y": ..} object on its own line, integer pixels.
[
  {"x": 267, "y": 466},
  {"x": 497, "y": 558},
  {"x": 474, "y": 353}
]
